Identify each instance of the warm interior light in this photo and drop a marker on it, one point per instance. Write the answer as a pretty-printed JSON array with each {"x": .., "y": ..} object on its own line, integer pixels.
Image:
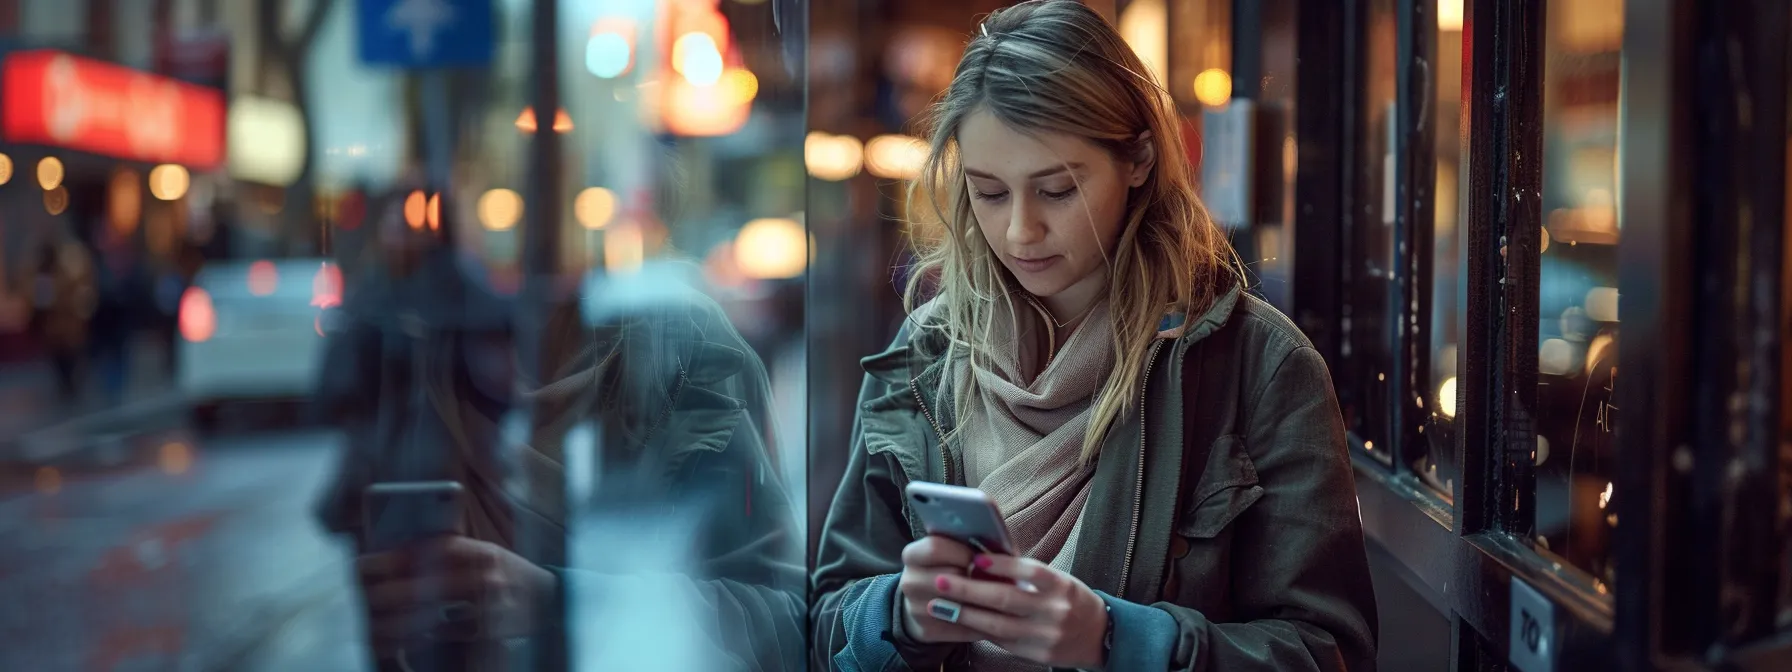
[
  {"x": 897, "y": 157},
  {"x": 771, "y": 249},
  {"x": 416, "y": 207},
  {"x": 197, "y": 321},
  {"x": 832, "y": 157},
  {"x": 499, "y": 209},
  {"x": 1446, "y": 397},
  {"x": 1142, "y": 25},
  {"x": 432, "y": 214},
  {"x": 1449, "y": 15},
  {"x": 169, "y": 182},
  {"x": 5, "y": 169},
  {"x": 1213, "y": 87},
  {"x": 49, "y": 173},
  {"x": 739, "y": 86},
  {"x": 594, "y": 207}
]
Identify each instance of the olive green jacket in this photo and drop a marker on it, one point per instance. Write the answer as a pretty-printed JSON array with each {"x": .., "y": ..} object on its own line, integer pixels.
[{"x": 1222, "y": 530}]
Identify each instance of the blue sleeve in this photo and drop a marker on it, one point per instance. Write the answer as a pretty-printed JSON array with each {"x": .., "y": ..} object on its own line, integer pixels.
[
  {"x": 1144, "y": 637},
  {"x": 866, "y": 613}
]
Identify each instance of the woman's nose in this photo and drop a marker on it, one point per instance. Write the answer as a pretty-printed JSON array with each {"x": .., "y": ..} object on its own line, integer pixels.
[{"x": 1023, "y": 224}]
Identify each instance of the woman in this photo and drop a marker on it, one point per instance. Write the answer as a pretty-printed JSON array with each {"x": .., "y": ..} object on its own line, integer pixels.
[{"x": 1167, "y": 451}]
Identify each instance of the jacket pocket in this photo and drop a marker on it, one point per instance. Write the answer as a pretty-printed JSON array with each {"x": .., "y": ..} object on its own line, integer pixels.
[{"x": 1228, "y": 487}]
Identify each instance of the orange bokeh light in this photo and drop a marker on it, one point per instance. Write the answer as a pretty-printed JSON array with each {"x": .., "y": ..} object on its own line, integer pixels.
[{"x": 415, "y": 206}]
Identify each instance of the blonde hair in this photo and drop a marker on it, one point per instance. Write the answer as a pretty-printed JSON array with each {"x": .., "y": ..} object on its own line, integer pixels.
[{"x": 1057, "y": 66}]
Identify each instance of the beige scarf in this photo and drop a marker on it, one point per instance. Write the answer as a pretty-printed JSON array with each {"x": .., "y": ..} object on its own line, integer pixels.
[{"x": 1023, "y": 443}]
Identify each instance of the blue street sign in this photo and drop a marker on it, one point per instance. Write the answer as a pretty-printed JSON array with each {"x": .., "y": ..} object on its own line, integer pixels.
[{"x": 426, "y": 33}]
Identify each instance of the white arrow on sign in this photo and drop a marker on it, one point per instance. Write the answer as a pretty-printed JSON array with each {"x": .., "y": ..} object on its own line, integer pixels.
[{"x": 422, "y": 19}]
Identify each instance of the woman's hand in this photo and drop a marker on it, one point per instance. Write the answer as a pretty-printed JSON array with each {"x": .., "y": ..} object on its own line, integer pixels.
[
  {"x": 925, "y": 563},
  {"x": 1046, "y": 616},
  {"x": 450, "y": 589}
]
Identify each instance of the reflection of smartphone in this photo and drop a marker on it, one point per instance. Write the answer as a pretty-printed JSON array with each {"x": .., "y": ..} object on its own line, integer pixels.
[
  {"x": 964, "y": 514},
  {"x": 395, "y": 514}
]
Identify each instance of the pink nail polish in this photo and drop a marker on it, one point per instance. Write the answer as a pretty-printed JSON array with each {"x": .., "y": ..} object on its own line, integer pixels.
[
  {"x": 941, "y": 583},
  {"x": 983, "y": 562}
]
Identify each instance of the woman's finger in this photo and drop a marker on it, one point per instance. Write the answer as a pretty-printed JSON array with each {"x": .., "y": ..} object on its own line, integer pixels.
[
  {"x": 990, "y": 624},
  {"x": 378, "y": 566},
  {"x": 419, "y": 592},
  {"x": 936, "y": 551},
  {"x": 1002, "y": 597},
  {"x": 393, "y": 630},
  {"x": 1025, "y": 571}
]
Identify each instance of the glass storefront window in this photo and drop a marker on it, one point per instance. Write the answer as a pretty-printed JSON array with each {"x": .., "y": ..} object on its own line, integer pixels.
[
  {"x": 1368, "y": 316},
  {"x": 1435, "y": 463},
  {"x": 1577, "y": 336}
]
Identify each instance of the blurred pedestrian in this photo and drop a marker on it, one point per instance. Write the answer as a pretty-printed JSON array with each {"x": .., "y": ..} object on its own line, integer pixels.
[{"x": 63, "y": 299}]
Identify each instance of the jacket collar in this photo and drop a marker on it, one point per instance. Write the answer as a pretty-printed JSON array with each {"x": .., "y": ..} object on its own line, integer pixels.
[{"x": 916, "y": 353}]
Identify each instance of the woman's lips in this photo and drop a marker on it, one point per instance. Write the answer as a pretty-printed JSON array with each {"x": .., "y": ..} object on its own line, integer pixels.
[{"x": 1035, "y": 265}]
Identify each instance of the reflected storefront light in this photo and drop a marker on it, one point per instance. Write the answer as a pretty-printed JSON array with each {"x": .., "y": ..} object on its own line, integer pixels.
[
  {"x": 896, "y": 157},
  {"x": 1213, "y": 87},
  {"x": 49, "y": 173}
]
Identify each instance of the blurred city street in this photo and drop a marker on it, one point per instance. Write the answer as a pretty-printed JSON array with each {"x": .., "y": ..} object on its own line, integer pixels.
[{"x": 186, "y": 556}]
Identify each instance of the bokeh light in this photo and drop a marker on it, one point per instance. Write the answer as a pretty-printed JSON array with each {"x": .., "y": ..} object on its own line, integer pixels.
[
  {"x": 499, "y": 209},
  {"x": 772, "y": 248},
  {"x": 416, "y": 205},
  {"x": 1213, "y": 87},
  {"x": 169, "y": 181},
  {"x": 897, "y": 157},
  {"x": 49, "y": 173},
  {"x": 832, "y": 157},
  {"x": 696, "y": 56},
  {"x": 594, "y": 207}
]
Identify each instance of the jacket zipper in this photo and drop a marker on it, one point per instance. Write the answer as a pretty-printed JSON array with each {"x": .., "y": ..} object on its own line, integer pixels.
[
  {"x": 945, "y": 460},
  {"x": 1138, "y": 502}
]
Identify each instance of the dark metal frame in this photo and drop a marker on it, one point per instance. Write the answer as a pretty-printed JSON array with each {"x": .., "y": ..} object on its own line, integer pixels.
[
  {"x": 1704, "y": 113},
  {"x": 1705, "y": 147},
  {"x": 1326, "y": 168}
]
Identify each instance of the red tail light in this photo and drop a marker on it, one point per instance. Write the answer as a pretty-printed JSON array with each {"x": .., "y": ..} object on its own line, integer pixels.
[
  {"x": 326, "y": 286},
  {"x": 197, "y": 321}
]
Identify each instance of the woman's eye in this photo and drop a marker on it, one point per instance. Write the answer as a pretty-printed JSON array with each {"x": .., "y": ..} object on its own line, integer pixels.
[
  {"x": 988, "y": 197},
  {"x": 1058, "y": 195}
]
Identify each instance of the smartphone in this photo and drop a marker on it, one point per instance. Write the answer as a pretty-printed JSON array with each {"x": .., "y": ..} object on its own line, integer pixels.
[
  {"x": 967, "y": 515},
  {"x": 398, "y": 513}
]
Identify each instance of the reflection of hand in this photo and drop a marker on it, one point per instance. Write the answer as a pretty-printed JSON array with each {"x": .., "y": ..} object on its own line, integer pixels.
[
  {"x": 925, "y": 564},
  {"x": 450, "y": 589},
  {"x": 1046, "y": 615}
]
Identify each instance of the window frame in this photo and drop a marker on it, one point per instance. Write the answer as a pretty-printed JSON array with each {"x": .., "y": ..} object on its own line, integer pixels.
[{"x": 1681, "y": 165}]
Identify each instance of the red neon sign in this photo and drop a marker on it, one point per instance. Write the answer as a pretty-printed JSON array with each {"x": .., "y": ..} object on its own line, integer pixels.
[{"x": 53, "y": 98}]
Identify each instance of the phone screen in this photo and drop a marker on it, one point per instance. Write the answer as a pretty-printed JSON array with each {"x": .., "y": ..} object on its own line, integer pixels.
[{"x": 396, "y": 514}]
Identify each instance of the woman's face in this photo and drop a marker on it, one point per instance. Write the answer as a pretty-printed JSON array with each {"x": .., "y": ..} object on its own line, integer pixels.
[{"x": 1050, "y": 205}]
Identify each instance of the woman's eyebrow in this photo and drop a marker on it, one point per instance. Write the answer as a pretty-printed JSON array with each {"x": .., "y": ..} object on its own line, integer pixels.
[{"x": 1045, "y": 172}]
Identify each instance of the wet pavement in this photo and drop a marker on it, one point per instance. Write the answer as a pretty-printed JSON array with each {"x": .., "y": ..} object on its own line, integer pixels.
[{"x": 184, "y": 555}]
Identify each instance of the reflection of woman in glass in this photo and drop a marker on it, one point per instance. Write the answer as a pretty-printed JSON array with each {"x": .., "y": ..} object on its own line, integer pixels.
[
  {"x": 1167, "y": 451},
  {"x": 678, "y": 408}
]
